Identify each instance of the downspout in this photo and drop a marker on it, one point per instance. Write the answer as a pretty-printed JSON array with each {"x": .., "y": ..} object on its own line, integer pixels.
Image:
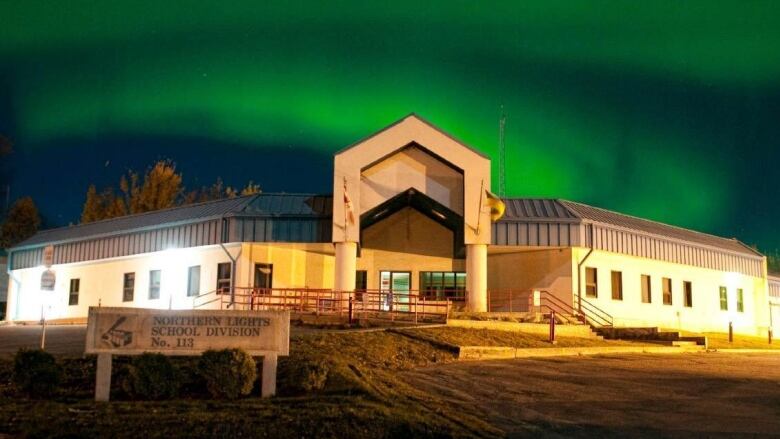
[
  {"x": 232, "y": 261},
  {"x": 579, "y": 271}
]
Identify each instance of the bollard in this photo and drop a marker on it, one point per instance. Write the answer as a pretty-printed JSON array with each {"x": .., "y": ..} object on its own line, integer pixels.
[
  {"x": 731, "y": 332},
  {"x": 770, "y": 335},
  {"x": 552, "y": 326}
]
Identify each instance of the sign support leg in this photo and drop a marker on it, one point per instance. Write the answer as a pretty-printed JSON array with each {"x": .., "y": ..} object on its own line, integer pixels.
[
  {"x": 268, "y": 383},
  {"x": 103, "y": 377}
]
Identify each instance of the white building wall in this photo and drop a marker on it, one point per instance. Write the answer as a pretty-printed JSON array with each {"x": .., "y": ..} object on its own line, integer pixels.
[
  {"x": 705, "y": 314},
  {"x": 101, "y": 283}
]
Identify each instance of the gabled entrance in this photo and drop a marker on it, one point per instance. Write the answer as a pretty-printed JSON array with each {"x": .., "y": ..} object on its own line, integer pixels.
[{"x": 413, "y": 165}]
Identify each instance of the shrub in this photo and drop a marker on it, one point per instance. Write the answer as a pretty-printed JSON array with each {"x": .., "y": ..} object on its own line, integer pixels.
[
  {"x": 36, "y": 373},
  {"x": 229, "y": 373},
  {"x": 303, "y": 375},
  {"x": 152, "y": 376}
]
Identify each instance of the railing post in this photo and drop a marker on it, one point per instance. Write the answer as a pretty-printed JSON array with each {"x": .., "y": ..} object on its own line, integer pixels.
[
  {"x": 731, "y": 332},
  {"x": 552, "y": 326}
]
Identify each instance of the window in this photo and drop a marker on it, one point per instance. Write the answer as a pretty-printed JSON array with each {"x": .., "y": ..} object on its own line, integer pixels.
[
  {"x": 440, "y": 285},
  {"x": 724, "y": 299},
  {"x": 264, "y": 276},
  {"x": 73, "y": 296},
  {"x": 647, "y": 292},
  {"x": 224, "y": 277},
  {"x": 361, "y": 280},
  {"x": 740, "y": 301},
  {"x": 361, "y": 283},
  {"x": 154, "y": 284},
  {"x": 667, "y": 288},
  {"x": 687, "y": 294},
  {"x": 128, "y": 287},
  {"x": 591, "y": 282},
  {"x": 193, "y": 281},
  {"x": 617, "y": 285}
]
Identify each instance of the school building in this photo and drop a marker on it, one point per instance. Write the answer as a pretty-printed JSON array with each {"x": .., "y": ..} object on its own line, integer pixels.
[{"x": 411, "y": 223}]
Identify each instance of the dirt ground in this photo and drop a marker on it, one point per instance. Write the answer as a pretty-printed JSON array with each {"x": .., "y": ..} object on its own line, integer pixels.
[{"x": 691, "y": 395}]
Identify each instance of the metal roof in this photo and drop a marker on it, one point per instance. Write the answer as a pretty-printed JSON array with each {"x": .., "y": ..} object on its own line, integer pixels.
[
  {"x": 518, "y": 209},
  {"x": 258, "y": 205},
  {"x": 320, "y": 206},
  {"x": 603, "y": 216},
  {"x": 290, "y": 204},
  {"x": 534, "y": 209}
]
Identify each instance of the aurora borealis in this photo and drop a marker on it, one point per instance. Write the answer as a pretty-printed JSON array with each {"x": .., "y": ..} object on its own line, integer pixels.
[{"x": 668, "y": 110}]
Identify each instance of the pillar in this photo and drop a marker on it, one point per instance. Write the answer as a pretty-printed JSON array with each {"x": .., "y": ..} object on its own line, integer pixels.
[
  {"x": 476, "y": 277},
  {"x": 346, "y": 261}
]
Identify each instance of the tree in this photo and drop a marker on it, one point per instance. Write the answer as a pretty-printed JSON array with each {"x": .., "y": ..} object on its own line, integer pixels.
[
  {"x": 21, "y": 223},
  {"x": 250, "y": 189},
  {"x": 161, "y": 189},
  {"x": 93, "y": 208}
]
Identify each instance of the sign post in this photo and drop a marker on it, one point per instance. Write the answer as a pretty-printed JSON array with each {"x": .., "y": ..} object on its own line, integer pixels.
[{"x": 133, "y": 331}]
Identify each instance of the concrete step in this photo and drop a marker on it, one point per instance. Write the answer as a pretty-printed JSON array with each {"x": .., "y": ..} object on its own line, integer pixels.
[
  {"x": 652, "y": 335},
  {"x": 671, "y": 342}
]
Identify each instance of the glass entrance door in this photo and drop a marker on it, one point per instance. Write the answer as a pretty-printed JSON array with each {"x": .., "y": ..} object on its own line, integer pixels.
[{"x": 395, "y": 287}]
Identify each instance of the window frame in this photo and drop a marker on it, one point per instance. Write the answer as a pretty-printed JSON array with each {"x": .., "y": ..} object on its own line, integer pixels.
[
  {"x": 687, "y": 294},
  {"x": 74, "y": 292},
  {"x": 667, "y": 294},
  {"x": 619, "y": 283},
  {"x": 648, "y": 286},
  {"x": 436, "y": 285},
  {"x": 263, "y": 289},
  {"x": 221, "y": 288},
  {"x": 594, "y": 285},
  {"x": 131, "y": 289},
  {"x": 190, "y": 283},
  {"x": 153, "y": 287},
  {"x": 723, "y": 294},
  {"x": 740, "y": 300}
]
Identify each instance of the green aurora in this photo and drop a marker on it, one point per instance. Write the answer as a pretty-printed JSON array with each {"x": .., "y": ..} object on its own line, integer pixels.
[{"x": 665, "y": 109}]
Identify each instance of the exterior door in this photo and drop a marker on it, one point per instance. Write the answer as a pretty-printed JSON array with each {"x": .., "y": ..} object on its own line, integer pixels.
[{"x": 396, "y": 286}]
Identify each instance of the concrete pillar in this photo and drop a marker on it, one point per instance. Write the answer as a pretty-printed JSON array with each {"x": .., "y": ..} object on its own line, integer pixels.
[
  {"x": 346, "y": 261},
  {"x": 476, "y": 277},
  {"x": 268, "y": 380}
]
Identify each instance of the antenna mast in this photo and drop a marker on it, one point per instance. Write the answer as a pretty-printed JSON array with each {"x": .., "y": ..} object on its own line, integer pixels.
[{"x": 501, "y": 155}]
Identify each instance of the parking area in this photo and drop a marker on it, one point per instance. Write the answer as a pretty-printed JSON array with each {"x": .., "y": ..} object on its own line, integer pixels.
[
  {"x": 60, "y": 339},
  {"x": 690, "y": 395}
]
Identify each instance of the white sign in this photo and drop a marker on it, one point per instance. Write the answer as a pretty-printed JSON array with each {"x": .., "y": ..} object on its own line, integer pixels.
[
  {"x": 133, "y": 331},
  {"x": 48, "y": 280}
]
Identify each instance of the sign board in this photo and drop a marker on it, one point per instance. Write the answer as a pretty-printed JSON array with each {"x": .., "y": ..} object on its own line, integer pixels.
[
  {"x": 133, "y": 331},
  {"x": 48, "y": 256},
  {"x": 48, "y": 280}
]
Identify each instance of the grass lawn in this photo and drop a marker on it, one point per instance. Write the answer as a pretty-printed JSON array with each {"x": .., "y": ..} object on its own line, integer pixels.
[
  {"x": 719, "y": 340},
  {"x": 332, "y": 385},
  {"x": 490, "y": 337}
]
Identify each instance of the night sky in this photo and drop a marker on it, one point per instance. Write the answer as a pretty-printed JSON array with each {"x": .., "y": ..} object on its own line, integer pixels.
[{"x": 668, "y": 110}]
